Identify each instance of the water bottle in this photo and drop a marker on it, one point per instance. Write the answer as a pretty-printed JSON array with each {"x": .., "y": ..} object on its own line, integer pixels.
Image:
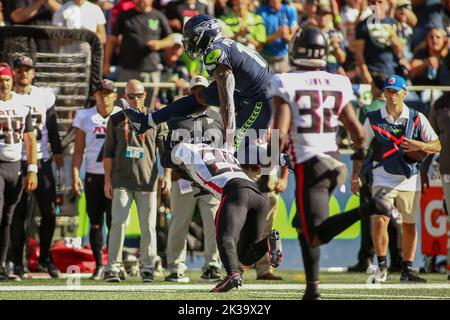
[{"x": 431, "y": 73}]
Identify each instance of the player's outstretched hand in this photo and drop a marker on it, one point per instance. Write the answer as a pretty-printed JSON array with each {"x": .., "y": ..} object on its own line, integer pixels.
[{"x": 137, "y": 119}]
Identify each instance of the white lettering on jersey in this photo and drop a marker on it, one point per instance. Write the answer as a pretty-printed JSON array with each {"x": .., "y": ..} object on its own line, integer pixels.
[
  {"x": 316, "y": 99},
  {"x": 12, "y": 124},
  {"x": 94, "y": 127},
  {"x": 210, "y": 167},
  {"x": 39, "y": 100}
]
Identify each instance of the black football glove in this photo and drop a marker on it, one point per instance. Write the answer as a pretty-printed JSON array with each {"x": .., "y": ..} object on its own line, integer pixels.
[{"x": 137, "y": 119}]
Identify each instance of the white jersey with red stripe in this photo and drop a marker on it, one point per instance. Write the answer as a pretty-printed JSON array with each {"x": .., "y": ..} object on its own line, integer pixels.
[
  {"x": 210, "y": 167},
  {"x": 93, "y": 124},
  {"x": 316, "y": 99}
]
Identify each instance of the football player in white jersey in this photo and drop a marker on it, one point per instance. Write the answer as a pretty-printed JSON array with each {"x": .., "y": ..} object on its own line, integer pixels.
[
  {"x": 43, "y": 116},
  {"x": 309, "y": 103},
  {"x": 241, "y": 217},
  {"x": 15, "y": 129},
  {"x": 90, "y": 136}
]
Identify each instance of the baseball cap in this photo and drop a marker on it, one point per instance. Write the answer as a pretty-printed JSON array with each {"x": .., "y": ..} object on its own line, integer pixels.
[
  {"x": 198, "y": 81},
  {"x": 106, "y": 84},
  {"x": 23, "y": 61},
  {"x": 394, "y": 82}
]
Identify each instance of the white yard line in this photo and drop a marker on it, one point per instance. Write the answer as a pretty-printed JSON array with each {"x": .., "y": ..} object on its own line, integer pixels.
[{"x": 160, "y": 287}]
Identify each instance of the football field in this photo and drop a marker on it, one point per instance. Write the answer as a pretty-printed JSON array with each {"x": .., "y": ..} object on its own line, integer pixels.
[{"x": 350, "y": 286}]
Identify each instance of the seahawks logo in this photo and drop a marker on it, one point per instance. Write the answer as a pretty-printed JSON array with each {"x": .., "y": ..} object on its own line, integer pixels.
[{"x": 207, "y": 25}]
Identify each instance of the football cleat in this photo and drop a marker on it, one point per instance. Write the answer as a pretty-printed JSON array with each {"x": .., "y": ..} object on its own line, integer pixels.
[{"x": 229, "y": 282}]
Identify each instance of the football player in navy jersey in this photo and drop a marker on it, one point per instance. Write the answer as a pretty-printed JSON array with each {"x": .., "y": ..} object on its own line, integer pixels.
[{"x": 240, "y": 88}]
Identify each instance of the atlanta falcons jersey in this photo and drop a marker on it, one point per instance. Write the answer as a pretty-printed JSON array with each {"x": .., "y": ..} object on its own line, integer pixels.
[
  {"x": 93, "y": 125},
  {"x": 316, "y": 99},
  {"x": 210, "y": 167},
  {"x": 39, "y": 100},
  {"x": 15, "y": 119}
]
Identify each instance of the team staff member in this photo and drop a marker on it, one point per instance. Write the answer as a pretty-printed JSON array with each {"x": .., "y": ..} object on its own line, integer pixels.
[
  {"x": 394, "y": 173},
  {"x": 16, "y": 129},
  {"x": 323, "y": 99},
  {"x": 90, "y": 136},
  {"x": 131, "y": 174},
  {"x": 44, "y": 119}
]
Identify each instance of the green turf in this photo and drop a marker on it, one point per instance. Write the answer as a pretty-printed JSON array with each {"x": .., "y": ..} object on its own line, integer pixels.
[{"x": 290, "y": 277}]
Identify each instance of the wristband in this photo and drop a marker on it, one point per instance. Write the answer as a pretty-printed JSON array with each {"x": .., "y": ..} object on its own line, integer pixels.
[{"x": 32, "y": 168}]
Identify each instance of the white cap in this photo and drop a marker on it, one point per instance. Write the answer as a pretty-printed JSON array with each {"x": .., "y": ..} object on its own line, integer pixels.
[
  {"x": 177, "y": 38},
  {"x": 198, "y": 81}
]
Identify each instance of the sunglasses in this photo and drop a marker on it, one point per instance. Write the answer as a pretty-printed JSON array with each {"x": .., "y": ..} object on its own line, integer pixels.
[{"x": 135, "y": 95}]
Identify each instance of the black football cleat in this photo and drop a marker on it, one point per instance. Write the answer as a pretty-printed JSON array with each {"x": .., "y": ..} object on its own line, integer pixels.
[{"x": 229, "y": 282}]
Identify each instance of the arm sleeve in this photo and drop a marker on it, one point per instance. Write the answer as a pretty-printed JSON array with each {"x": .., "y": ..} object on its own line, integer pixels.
[
  {"x": 52, "y": 129},
  {"x": 110, "y": 141}
]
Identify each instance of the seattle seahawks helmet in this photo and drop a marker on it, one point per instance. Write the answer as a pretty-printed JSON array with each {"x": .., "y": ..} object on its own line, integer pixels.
[
  {"x": 198, "y": 33},
  {"x": 308, "y": 48}
]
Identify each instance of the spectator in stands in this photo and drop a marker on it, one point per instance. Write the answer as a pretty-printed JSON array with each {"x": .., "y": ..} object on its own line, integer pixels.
[
  {"x": 42, "y": 107},
  {"x": 355, "y": 11},
  {"x": 280, "y": 21},
  {"x": 377, "y": 47},
  {"x": 336, "y": 50},
  {"x": 119, "y": 7},
  {"x": 429, "y": 16},
  {"x": 131, "y": 173},
  {"x": 184, "y": 200},
  {"x": 174, "y": 70},
  {"x": 34, "y": 12},
  {"x": 81, "y": 14},
  {"x": 446, "y": 16},
  {"x": 178, "y": 12},
  {"x": 428, "y": 63},
  {"x": 406, "y": 20},
  {"x": 2, "y": 15},
  {"x": 90, "y": 132},
  {"x": 222, "y": 8},
  {"x": 145, "y": 31},
  {"x": 247, "y": 27}
]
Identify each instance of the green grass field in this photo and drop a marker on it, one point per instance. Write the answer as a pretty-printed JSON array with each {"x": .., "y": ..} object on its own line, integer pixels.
[{"x": 334, "y": 286}]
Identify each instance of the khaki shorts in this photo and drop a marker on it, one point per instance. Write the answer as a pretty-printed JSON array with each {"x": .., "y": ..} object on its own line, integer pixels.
[{"x": 407, "y": 203}]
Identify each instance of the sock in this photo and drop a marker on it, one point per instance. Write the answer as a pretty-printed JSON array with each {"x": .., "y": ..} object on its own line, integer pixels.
[
  {"x": 311, "y": 259},
  {"x": 334, "y": 225},
  {"x": 406, "y": 266},
  {"x": 96, "y": 241},
  {"x": 382, "y": 264},
  {"x": 179, "y": 108}
]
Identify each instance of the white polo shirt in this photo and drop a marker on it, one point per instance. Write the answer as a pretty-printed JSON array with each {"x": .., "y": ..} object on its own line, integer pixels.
[{"x": 399, "y": 182}]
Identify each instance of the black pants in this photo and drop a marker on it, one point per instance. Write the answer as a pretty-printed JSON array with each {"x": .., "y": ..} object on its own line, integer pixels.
[
  {"x": 240, "y": 223},
  {"x": 45, "y": 195},
  {"x": 97, "y": 205},
  {"x": 11, "y": 188},
  {"x": 315, "y": 183},
  {"x": 366, "y": 251}
]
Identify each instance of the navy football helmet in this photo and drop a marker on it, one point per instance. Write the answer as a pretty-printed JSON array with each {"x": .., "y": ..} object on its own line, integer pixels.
[
  {"x": 198, "y": 33},
  {"x": 308, "y": 48}
]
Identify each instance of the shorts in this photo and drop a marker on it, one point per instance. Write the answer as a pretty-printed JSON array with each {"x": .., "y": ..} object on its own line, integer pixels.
[{"x": 407, "y": 203}]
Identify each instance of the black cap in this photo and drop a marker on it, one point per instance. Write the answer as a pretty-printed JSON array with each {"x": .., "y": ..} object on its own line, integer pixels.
[
  {"x": 106, "y": 84},
  {"x": 23, "y": 61}
]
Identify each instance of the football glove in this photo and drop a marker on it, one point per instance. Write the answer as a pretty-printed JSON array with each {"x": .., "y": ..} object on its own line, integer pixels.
[{"x": 139, "y": 120}]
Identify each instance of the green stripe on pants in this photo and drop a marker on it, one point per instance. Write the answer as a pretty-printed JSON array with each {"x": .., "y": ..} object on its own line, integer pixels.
[{"x": 247, "y": 125}]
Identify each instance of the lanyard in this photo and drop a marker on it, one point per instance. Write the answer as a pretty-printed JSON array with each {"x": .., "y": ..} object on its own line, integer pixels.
[{"x": 127, "y": 130}]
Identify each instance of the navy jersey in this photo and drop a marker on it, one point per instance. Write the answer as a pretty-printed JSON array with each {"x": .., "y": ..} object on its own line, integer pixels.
[{"x": 250, "y": 70}]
